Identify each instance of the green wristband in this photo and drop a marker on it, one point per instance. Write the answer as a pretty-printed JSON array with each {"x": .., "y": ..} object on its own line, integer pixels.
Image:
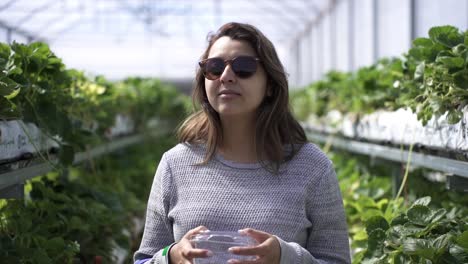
[{"x": 165, "y": 250}]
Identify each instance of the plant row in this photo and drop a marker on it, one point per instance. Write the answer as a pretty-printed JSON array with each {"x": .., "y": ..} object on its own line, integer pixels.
[
  {"x": 383, "y": 229},
  {"x": 90, "y": 213},
  {"x": 431, "y": 79},
  {"x": 36, "y": 87},
  {"x": 84, "y": 215}
]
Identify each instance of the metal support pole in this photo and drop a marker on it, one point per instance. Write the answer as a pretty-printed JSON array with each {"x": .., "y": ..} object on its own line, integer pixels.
[
  {"x": 413, "y": 20},
  {"x": 375, "y": 24},
  {"x": 333, "y": 33},
  {"x": 8, "y": 35},
  {"x": 298, "y": 62},
  {"x": 351, "y": 35}
]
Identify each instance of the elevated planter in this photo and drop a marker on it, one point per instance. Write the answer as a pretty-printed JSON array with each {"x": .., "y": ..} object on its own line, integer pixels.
[{"x": 397, "y": 127}]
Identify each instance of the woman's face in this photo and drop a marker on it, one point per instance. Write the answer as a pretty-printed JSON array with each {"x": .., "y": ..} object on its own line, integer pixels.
[{"x": 230, "y": 95}]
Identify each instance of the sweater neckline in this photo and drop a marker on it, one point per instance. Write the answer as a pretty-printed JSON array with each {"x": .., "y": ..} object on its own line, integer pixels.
[{"x": 237, "y": 165}]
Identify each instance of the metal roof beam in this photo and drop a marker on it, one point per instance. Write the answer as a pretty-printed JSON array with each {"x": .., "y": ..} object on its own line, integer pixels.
[
  {"x": 297, "y": 12},
  {"x": 315, "y": 20},
  {"x": 34, "y": 12},
  {"x": 24, "y": 33},
  {"x": 8, "y": 4},
  {"x": 149, "y": 13},
  {"x": 289, "y": 23}
]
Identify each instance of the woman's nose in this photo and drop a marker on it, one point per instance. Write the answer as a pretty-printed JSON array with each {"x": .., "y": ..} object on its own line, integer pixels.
[{"x": 228, "y": 75}]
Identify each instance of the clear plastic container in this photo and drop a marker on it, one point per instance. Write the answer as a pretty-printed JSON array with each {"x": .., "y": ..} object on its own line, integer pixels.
[{"x": 219, "y": 242}]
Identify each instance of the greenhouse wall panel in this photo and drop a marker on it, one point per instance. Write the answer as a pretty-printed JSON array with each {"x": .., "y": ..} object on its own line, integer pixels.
[
  {"x": 393, "y": 27},
  {"x": 430, "y": 13}
]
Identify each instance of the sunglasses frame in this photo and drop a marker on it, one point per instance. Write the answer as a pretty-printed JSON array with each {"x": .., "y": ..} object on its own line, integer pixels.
[{"x": 202, "y": 64}]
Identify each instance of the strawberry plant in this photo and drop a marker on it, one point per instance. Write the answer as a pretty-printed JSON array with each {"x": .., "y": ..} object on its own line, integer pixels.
[
  {"x": 440, "y": 74},
  {"x": 74, "y": 218},
  {"x": 420, "y": 234},
  {"x": 369, "y": 206},
  {"x": 431, "y": 79}
]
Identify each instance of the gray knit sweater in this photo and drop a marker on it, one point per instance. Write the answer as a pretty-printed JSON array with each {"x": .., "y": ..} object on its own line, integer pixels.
[{"x": 302, "y": 205}]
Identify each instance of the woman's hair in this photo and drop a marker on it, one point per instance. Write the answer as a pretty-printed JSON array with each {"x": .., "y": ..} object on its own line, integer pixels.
[{"x": 278, "y": 135}]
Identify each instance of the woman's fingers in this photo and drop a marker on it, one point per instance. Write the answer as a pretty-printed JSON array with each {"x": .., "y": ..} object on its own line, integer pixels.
[
  {"x": 196, "y": 253},
  {"x": 258, "y": 235},
  {"x": 236, "y": 261},
  {"x": 248, "y": 251},
  {"x": 268, "y": 251},
  {"x": 183, "y": 252},
  {"x": 195, "y": 231}
]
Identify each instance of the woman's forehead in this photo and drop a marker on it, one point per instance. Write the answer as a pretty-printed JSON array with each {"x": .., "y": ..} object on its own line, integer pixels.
[{"x": 228, "y": 48}]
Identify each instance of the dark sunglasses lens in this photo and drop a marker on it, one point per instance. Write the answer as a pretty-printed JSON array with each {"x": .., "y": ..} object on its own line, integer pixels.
[
  {"x": 213, "y": 68},
  {"x": 244, "y": 67}
]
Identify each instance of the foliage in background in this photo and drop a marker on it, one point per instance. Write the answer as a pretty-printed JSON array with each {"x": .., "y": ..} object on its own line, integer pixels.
[
  {"x": 418, "y": 235},
  {"x": 36, "y": 87},
  {"x": 385, "y": 230},
  {"x": 78, "y": 213},
  {"x": 83, "y": 215},
  {"x": 431, "y": 79}
]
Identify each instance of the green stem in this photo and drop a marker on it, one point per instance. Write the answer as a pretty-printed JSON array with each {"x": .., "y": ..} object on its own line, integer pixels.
[
  {"x": 405, "y": 177},
  {"x": 35, "y": 147},
  {"x": 328, "y": 143}
]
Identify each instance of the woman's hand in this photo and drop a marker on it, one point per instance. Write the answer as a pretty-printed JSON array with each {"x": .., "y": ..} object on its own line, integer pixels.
[
  {"x": 184, "y": 253},
  {"x": 268, "y": 251}
]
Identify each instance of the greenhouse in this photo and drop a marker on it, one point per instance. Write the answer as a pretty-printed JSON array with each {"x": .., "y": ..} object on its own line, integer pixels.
[{"x": 222, "y": 131}]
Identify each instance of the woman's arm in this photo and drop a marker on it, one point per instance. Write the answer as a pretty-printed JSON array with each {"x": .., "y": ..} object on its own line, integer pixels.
[
  {"x": 157, "y": 235},
  {"x": 327, "y": 240}
]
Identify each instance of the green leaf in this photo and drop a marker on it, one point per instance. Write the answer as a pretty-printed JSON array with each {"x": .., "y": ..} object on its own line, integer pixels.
[
  {"x": 461, "y": 79},
  {"x": 426, "y": 200},
  {"x": 419, "y": 247},
  {"x": 462, "y": 240},
  {"x": 419, "y": 214},
  {"x": 66, "y": 154},
  {"x": 441, "y": 243},
  {"x": 423, "y": 42},
  {"x": 437, "y": 104},
  {"x": 419, "y": 72},
  {"x": 375, "y": 243},
  {"x": 451, "y": 62},
  {"x": 5, "y": 51},
  {"x": 401, "y": 258},
  {"x": 399, "y": 220},
  {"x": 466, "y": 38},
  {"x": 360, "y": 235},
  {"x": 448, "y": 36},
  {"x": 454, "y": 116},
  {"x": 395, "y": 234},
  {"x": 459, "y": 253},
  {"x": 369, "y": 213},
  {"x": 376, "y": 222},
  {"x": 13, "y": 94},
  {"x": 459, "y": 49},
  {"x": 12, "y": 69},
  {"x": 21, "y": 50},
  {"x": 41, "y": 257},
  {"x": 439, "y": 214}
]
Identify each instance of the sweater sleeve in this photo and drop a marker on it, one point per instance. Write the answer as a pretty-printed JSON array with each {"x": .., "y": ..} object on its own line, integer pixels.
[
  {"x": 157, "y": 233},
  {"x": 327, "y": 240}
]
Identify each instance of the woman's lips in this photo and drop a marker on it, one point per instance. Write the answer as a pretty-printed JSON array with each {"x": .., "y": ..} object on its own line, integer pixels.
[{"x": 226, "y": 94}]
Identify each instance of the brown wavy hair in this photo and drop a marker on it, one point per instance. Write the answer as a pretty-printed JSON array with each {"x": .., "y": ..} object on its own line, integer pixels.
[{"x": 278, "y": 136}]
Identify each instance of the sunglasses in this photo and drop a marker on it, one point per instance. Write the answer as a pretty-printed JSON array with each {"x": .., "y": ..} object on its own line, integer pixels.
[{"x": 243, "y": 66}]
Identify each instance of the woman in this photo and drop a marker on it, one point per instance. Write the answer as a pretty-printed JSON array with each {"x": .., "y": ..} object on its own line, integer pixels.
[{"x": 244, "y": 164}]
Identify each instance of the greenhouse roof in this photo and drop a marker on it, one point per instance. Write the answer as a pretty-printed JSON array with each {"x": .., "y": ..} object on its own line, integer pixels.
[{"x": 162, "y": 38}]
